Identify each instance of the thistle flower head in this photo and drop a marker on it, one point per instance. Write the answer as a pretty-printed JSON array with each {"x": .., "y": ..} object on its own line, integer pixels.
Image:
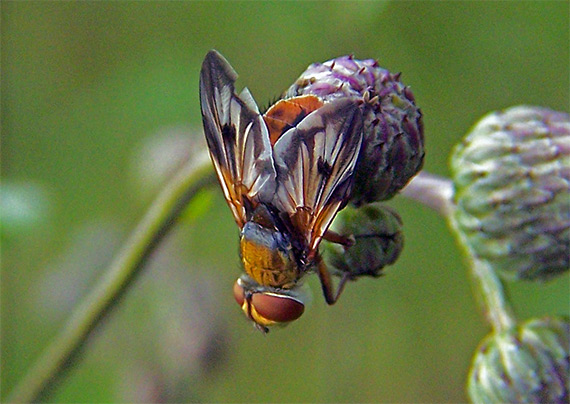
[
  {"x": 512, "y": 191},
  {"x": 393, "y": 146},
  {"x": 526, "y": 364},
  {"x": 378, "y": 241}
]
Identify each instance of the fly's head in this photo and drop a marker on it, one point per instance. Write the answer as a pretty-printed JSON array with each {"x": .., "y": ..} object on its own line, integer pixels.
[{"x": 267, "y": 306}]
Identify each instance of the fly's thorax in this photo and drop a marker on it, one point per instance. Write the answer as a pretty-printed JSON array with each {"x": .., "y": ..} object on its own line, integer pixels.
[{"x": 268, "y": 257}]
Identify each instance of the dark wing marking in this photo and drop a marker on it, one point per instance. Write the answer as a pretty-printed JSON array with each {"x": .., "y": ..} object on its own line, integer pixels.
[
  {"x": 237, "y": 138},
  {"x": 315, "y": 165}
]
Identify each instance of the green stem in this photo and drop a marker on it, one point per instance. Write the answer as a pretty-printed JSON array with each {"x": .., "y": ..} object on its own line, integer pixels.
[
  {"x": 437, "y": 193},
  {"x": 488, "y": 287},
  {"x": 496, "y": 305},
  {"x": 159, "y": 219}
]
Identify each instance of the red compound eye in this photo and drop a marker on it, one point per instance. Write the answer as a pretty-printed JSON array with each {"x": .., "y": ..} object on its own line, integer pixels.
[
  {"x": 277, "y": 308},
  {"x": 238, "y": 293},
  {"x": 269, "y": 308}
]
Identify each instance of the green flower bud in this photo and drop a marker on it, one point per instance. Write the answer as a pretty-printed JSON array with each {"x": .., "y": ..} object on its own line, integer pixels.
[
  {"x": 512, "y": 191},
  {"x": 526, "y": 364},
  {"x": 378, "y": 241},
  {"x": 393, "y": 146}
]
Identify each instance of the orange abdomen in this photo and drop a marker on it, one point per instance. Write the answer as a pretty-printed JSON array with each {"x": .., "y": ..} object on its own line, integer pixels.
[{"x": 286, "y": 114}]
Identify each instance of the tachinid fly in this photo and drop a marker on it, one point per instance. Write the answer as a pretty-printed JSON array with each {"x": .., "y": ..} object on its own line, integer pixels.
[{"x": 285, "y": 174}]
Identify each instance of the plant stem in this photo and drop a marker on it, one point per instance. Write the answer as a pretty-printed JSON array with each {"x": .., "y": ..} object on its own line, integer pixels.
[
  {"x": 437, "y": 193},
  {"x": 433, "y": 191},
  {"x": 120, "y": 275},
  {"x": 488, "y": 287},
  {"x": 498, "y": 310}
]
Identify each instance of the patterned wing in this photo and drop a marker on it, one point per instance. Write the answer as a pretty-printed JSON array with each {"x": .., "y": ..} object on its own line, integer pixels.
[
  {"x": 315, "y": 165},
  {"x": 238, "y": 139}
]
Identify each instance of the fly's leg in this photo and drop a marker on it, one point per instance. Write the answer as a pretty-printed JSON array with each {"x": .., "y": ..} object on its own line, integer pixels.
[
  {"x": 327, "y": 283},
  {"x": 334, "y": 237},
  {"x": 324, "y": 275}
]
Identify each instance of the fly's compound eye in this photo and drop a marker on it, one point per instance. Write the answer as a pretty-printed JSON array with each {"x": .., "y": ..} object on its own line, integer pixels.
[
  {"x": 268, "y": 308},
  {"x": 277, "y": 308}
]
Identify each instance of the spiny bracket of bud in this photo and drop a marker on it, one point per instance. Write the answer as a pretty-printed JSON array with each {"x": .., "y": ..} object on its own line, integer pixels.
[
  {"x": 512, "y": 191},
  {"x": 393, "y": 145},
  {"x": 378, "y": 241},
  {"x": 525, "y": 364}
]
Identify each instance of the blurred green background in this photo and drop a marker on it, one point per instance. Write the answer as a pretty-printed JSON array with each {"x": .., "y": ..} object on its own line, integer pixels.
[{"x": 100, "y": 105}]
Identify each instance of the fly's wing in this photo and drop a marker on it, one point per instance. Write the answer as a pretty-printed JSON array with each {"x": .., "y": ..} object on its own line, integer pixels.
[
  {"x": 315, "y": 165},
  {"x": 237, "y": 137}
]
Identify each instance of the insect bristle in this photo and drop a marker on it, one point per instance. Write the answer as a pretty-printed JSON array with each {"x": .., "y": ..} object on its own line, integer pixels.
[{"x": 270, "y": 103}]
